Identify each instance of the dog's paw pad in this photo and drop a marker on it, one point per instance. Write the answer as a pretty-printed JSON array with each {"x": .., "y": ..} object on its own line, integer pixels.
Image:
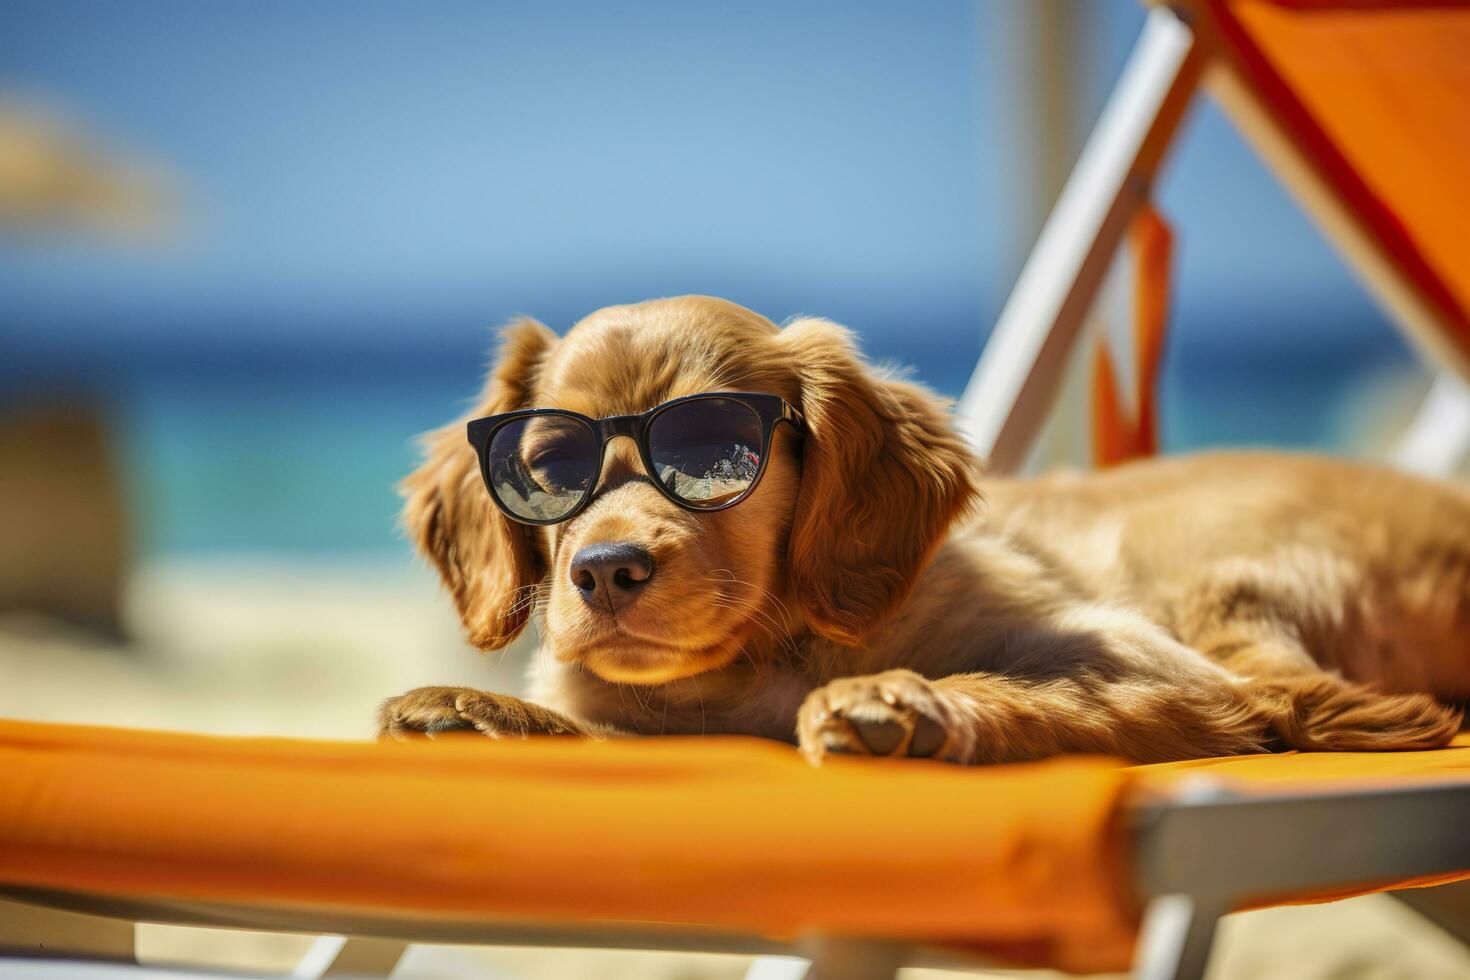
[
  {"x": 929, "y": 738},
  {"x": 897, "y": 713},
  {"x": 880, "y": 737}
]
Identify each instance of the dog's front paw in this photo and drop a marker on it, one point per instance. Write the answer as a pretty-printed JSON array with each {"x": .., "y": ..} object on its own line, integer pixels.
[
  {"x": 895, "y": 713},
  {"x": 429, "y": 710}
]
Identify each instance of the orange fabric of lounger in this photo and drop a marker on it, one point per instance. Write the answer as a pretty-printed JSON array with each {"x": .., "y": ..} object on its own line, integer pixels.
[
  {"x": 1375, "y": 93},
  {"x": 723, "y": 833}
]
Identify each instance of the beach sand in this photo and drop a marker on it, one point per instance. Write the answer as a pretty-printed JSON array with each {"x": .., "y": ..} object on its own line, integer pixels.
[{"x": 273, "y": 646}]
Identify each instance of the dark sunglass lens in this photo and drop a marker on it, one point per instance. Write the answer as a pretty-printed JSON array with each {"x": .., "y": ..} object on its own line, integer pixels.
[
  {"x": 707, "y": 451},
  {"x": 543, "y": 465}
]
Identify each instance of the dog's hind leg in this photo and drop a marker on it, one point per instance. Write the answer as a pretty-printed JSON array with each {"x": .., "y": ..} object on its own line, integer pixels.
[{"x": 1255, "y": 622}]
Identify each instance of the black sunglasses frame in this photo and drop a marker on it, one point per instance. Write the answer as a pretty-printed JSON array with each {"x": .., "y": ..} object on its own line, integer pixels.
[{"x": 770, "y": 409}]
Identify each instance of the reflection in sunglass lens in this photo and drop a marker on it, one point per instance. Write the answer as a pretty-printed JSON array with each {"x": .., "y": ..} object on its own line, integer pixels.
[
  {"x": 542, "y": 466},
  {"x": 706, "y": 451}
]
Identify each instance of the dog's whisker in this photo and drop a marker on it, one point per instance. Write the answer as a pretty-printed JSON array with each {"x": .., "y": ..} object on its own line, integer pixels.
[
  {"x": 642, "y": 704},
  {"x": 760, "y": 617},
  {"x": 732, "y": 578},
  {"x": 751, "y": 660},
  {"x": 698, "y": 694},
  {"x": 766, "y": 593},
  {"x": 780, "y": 640}
]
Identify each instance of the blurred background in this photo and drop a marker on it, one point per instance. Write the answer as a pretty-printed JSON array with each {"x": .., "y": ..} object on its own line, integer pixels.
[{"x": 249, "y": 250}]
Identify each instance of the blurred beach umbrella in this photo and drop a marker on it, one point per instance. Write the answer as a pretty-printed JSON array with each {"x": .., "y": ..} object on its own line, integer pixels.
[
  {"x": 61, "y": 495},
  {"x": 53, "y": 177}
]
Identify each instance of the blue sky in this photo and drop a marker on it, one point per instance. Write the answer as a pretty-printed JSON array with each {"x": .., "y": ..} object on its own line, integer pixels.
[{"x": 374, "y": 174}]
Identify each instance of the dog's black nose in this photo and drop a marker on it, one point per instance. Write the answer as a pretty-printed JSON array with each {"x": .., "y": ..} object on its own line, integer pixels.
[{"x": 610, "y": 576}]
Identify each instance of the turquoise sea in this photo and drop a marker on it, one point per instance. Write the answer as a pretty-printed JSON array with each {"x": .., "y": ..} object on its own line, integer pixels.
[{"x": 302, "y": 456}]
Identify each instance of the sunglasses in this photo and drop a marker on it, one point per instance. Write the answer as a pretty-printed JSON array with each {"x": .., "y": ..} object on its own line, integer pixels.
[{"x": 704, "y": 452}]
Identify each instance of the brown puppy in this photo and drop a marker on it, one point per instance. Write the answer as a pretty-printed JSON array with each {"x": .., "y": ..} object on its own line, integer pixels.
[{"x": 863, "y": 599}]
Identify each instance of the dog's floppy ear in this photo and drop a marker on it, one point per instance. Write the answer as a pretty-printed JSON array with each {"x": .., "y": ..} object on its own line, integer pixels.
[
  {"x": 489, "y": 564},
  {"x": 884, "y": 474}
]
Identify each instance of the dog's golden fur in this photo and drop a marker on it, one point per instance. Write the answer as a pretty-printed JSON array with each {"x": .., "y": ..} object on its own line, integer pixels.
[{"x": 876, "y": 595}]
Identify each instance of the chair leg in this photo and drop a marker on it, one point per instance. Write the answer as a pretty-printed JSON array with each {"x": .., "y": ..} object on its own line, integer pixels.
[
  {"x": 778, "y": 968},
  {"x": 357, "y": 956},
  {"x": 34, "y": 930},
  {"x": 1178, "y": 932},
  {"x": 1447, "y": 906},
  {"x": 833, "y": 958}
]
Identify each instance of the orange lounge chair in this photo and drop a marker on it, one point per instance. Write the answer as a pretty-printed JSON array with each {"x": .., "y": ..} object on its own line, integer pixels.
[
  {"x": 725, "y": 844},
  {"x": 734, "y": 844}
]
